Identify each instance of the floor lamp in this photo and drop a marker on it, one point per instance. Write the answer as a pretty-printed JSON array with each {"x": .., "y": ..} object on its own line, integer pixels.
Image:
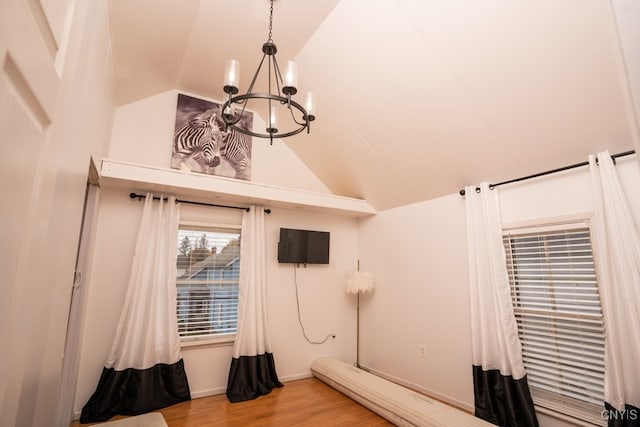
[{"x": 357, "y": 282}]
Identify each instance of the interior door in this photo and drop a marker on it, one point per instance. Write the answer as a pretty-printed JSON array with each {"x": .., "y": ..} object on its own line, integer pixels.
[{"x": 30, "y": 38}]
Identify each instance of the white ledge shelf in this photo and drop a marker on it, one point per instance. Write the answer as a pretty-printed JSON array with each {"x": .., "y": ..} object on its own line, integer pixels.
[{"x": 214, "y": 189}]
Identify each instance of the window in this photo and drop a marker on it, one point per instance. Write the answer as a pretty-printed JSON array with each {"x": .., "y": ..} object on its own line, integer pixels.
[
  {"x": 208, "y": 267},
  {"x": 556, "y": 303}
]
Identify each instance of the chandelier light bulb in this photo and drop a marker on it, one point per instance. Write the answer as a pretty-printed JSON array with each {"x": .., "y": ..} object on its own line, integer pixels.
[
  {"x": 291, "y": 76},
  {"x": 273, "y": 118},
  {"x": 310, "y": 105},
  {"x": 232, "y": 75}
]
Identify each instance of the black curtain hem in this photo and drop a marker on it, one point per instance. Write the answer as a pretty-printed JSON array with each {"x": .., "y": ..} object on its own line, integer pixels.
[
  {"x": 501, "y": 400},
  {"x": 629, "y": 417},
  {"x": 136, "y": 391},
  {"x": 251, "y": 377}
]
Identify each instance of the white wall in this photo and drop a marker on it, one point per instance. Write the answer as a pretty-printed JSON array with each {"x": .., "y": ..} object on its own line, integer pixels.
[
  {"x": 143, "y": 134},
  {"x": 418, "y": 255},
  {"x": 627, "y": 16},
  {"x": 47, "y": 182},
  {"x": 325, "y": 307}
]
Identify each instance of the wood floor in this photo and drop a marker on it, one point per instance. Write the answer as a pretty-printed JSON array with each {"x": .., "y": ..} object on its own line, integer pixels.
[{"x": 307, "y": 402}]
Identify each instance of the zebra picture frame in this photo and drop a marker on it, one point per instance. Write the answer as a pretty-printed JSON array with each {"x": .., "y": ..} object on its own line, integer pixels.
[{"x": 202, "y": 143}]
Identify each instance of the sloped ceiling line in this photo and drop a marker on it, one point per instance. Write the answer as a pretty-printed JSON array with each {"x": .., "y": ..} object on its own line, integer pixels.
[{"x": 436, "y": 93}]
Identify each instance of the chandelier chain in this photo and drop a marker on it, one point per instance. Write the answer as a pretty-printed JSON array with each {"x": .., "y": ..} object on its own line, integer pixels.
[{"x": 270, "y": 21}]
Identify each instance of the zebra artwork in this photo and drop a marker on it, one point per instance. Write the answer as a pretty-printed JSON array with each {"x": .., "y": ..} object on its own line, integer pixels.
[
  {"x": 236, "y": 150},
  {"x": 197, "y": 142},
  {"x": 203, "y": 143}
]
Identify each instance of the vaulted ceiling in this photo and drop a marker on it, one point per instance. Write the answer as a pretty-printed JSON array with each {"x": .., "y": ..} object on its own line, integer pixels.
[{"x": 416, "y": 98}]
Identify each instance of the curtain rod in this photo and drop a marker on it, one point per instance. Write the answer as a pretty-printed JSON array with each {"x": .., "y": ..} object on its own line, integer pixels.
[
  {"x": 142, "y": 196},
  {"x": 564, "y": 168}
]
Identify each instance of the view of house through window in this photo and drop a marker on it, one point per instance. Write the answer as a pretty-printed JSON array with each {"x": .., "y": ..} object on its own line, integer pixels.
[
  {"x": 557, "y": 307},
  {"x": 208, "y": 266}
]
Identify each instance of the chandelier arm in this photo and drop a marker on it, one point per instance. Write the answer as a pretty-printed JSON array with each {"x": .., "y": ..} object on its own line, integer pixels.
[
  {"x": 271, "y": 129},
  {"x": 255, "y": 76},
  {"x": 305, "y": 116},
  {"x": 278, "y": 75},
  {"x": 232, "y": 119}
]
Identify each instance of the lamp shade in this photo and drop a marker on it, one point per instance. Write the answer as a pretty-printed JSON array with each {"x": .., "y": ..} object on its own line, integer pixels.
[
  {"x": 232, "y": 73},
  {"x": 359, "y": 281}
]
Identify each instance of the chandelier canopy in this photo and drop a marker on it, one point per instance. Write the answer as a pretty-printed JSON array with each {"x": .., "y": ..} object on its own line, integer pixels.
[{"x": 278, "y": 97}]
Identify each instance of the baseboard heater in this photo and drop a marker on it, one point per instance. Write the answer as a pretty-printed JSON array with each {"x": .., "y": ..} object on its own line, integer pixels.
[{"x": 399, "y": 405}]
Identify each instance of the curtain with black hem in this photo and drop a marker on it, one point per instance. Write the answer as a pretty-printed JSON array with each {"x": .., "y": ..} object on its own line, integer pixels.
[
  {"x": 136, "y": 391},
  {"x": 628, "y": 417},
  {"x": 501, "y": 399},
  {"x": 251, "y": 377},
  {"x": 252, "y": 372},
  {"x": 501, "y": 391},
  {"x": 144, "y": 370},
  {"x": 617, "y": 254}
]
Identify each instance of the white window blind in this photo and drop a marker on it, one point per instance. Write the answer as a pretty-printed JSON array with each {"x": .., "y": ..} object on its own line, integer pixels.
[
  {"x": 557, "y": 308},
  {"x": 208, "y": 267}
]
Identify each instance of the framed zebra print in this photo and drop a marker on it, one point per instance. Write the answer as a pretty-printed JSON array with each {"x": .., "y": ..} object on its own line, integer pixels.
[{"x": 202, "y": 144}]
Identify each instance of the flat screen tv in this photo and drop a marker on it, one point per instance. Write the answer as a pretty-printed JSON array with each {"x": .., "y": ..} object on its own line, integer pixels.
[{"x": 303, "y": 246}]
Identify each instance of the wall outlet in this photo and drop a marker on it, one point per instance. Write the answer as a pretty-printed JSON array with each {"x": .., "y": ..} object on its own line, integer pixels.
[{"x": 422, "y": 350}]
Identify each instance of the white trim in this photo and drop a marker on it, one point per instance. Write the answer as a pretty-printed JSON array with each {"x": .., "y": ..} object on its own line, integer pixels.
[
  {"x": 208, "y": 392},
  {"x": 563, "y": 417},
  {"x": 203, "y": 223},
  {"x": 119, "y": 174},
  {"x": 222, "y": 390},
  {"x": 426, "y": 391},
  {"x": 296, "y": 377},
  {"x": 222, "y": 341},
  {"x": 581, "y": 219}
]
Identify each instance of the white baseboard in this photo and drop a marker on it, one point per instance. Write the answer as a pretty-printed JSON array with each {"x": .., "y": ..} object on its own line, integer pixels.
[
  {"x": 296, "y": 377},
  {"x": 222, "y": 390},
  {"x": 208, "y": 392},
  {"x": 431, "y": 393}
]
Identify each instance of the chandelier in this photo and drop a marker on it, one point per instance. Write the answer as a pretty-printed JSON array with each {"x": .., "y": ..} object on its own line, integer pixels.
[{"x": 278, "y": 97}]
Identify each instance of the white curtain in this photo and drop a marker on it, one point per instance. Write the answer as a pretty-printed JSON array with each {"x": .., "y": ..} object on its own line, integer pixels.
[
  {"x": 147, "y": 332},
  {"x": 252, "y": 372},
  {"x": 617, "y": 250},
  {"x": 145, "y": 370},
  {"x": 252, "y": 336},
  {"x": 501, "y": 391},
  {"x": 493, "y": 326}
]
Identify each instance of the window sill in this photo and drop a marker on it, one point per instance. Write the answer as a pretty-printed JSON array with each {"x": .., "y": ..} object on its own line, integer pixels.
[
  {"x": 568, "y": 418},
  {"x": 580, "y": 414},
  {"x": 225, "y": 341}
]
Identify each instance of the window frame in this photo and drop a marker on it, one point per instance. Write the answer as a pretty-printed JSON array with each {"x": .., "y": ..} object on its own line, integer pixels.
[
  {"x": 209, "y": 340},
  {"x": 557, "y": 404}
]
